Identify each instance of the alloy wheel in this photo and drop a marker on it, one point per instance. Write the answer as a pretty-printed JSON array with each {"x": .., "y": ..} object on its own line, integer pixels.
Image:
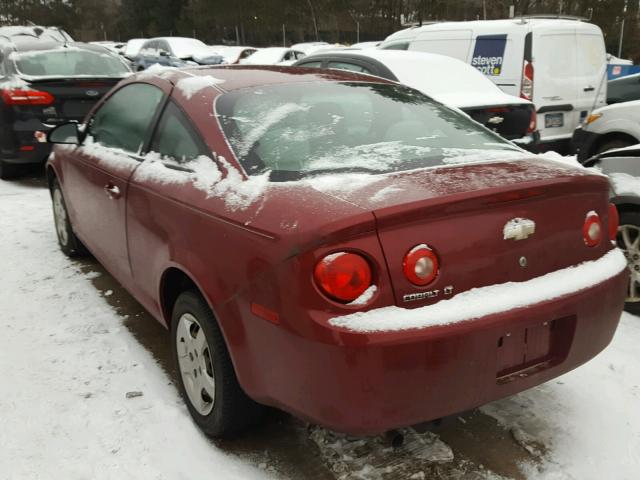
[
  {"x": 195, "y": 364},
  {"x": 629, "y": 242},
  {"x": 60, "y": 217}
]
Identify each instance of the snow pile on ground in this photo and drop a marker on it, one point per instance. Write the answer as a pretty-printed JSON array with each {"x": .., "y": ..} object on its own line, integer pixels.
[
  {"x": 587, "y": 420},
  {"x": 420, "y": 457},
  {"x": 191, "y": 85},
  {"x": 68, "y": 365},
  {"x": 479, "y": 302}
]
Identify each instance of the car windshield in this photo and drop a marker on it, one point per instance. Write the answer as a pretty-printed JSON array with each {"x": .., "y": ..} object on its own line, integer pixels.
[
  {"x": 299, "y": 130},
  {"x": 69, "y": 62}
]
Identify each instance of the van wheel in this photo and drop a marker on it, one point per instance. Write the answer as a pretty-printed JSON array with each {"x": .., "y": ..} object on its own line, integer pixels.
[
  {"x": 628, "y": 240},
  {"x": 206, "y": 377},
  {"x": 70, "y": 245},
  {"x": 613, "y": 144},
  {"x": 9, "y": 170}
]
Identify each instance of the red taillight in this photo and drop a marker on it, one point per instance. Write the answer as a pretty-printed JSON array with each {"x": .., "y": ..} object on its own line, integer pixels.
[
  {"x": 420, "y": 265},
  {"x": 343, "y": 276},
  {"x": 27, "y": 148},
  {"x": 592, "y": 229},
  {"x": 526, "y": 90},
  {"x": 19, "y": 96},
  {"x": 614, "y": 222},
  {"x": 533, "y": 121}
]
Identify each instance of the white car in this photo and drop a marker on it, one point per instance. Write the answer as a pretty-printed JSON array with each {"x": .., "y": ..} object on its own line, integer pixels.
[
  {"x": 133, "y": 46},
  {"x": 613, "y": 126},
  {"x": 233, "y": 54},
  {"x": 274, "y": 56},
  {"x": 445, "y": 79},
  {"x": 560, "y": 64},
  {"x": 308, "y": 47}
]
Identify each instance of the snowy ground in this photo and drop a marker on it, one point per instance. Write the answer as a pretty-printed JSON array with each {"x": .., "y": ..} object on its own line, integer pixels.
[{"x": 69, "y": 359}]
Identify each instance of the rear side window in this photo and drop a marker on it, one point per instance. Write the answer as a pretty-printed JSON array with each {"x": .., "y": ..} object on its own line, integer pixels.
[
  {"x": 175, "y": 137},
  {"x": 123, "y": 121},
  {"x": 311, "y": 65},
  {"x": 396, "y": 46},
  {"x": 352, "y": 67}
]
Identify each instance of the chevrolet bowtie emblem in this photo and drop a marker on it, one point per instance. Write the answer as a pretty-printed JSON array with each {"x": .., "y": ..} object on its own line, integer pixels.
[{"x": 519, "y": 229}]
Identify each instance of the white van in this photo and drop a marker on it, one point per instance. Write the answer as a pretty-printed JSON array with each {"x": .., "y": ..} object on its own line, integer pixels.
[{"x": 559, "y": 64}]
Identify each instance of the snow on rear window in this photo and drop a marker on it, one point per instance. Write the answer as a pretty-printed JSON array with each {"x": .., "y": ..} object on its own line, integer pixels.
[{"x": 300, "y": 130}]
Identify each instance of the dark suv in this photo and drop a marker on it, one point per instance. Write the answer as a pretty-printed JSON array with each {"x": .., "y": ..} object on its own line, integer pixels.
[{"x": 43, "y": 83}]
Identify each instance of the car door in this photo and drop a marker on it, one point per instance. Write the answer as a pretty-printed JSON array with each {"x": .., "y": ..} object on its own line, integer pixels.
[
  {"x": 155, "y": 212},
  {"x": 98, "y": 171}
]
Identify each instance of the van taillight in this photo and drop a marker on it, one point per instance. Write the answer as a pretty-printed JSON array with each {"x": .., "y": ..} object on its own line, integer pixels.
[
  {"x": 526, "y": 91},
  {"x": 614, "y": 222},
  {"x": 533, "y": 121},
  {"x": 19, "y": 96}
]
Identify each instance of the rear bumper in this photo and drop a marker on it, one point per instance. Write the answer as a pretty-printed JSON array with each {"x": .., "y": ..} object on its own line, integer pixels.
[
  {"x": 370, "y": 383},
  {"x": 583, "y": 143},
  {"x": 38, "y": 155}
]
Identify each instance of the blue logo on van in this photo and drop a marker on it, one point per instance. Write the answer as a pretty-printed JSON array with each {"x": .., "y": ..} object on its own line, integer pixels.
[{"x": 488, "y": 55}]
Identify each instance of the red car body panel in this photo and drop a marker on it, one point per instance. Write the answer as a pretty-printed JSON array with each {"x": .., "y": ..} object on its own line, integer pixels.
[{"x": 264, "y": 255}]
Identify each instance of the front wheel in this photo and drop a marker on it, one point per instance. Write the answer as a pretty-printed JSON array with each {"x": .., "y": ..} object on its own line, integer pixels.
[
  {"x": 628, "y": 240},
  {"x": 206, "y": 377}
]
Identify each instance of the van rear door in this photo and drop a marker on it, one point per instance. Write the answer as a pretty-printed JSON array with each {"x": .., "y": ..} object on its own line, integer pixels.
[
  {"x": 554, "y": 86},
  {"x": 592, "y": 67}
]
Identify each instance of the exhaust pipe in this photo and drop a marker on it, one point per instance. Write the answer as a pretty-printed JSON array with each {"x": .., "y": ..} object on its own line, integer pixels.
[{"x": 395, "y": 438}]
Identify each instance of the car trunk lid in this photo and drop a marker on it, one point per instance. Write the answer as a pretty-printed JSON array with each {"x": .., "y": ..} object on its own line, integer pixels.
[
  {"x": 461, "y": 212},
  {"x": 509, "y": 121},
  {"x": 71, "y": 98}
]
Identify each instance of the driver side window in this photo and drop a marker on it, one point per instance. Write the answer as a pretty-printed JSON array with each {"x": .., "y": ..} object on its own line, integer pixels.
[{"x": 123, "y": 121}]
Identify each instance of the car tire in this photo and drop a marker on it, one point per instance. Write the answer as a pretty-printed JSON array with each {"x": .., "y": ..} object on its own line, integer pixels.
[
  {"x": 613, "y": 144},
  {"x": 9, "y": 170},
  {"x": 628, "y": 240},
  {"x": 70, "y": 245},
  {"x": 206, "y": 377}
]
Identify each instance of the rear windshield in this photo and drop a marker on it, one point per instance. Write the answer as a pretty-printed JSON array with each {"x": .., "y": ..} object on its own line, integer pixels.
[
  {"x": 69, "y": 62},
  {"x": 300, "y": 130}
]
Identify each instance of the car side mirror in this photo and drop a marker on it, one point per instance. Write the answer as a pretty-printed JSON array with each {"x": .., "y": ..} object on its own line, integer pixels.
[
  {"x": 164, "y": 53},
  {"x": 66, "y": 134}
]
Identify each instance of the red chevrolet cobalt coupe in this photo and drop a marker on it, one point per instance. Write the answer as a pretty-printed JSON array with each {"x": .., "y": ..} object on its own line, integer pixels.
[{"x": 336, "y": 245}]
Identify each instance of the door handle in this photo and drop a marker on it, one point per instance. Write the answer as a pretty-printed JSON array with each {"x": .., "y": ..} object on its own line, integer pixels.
[
  {"x": 589, "y": 89},
  {"x": 112, "y": 190}
]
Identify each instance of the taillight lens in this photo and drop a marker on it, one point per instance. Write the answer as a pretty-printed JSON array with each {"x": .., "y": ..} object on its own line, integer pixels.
[
  {"x": 420, "y": 265},
  {"x": 614, "y": 222},
  {"x": 533, "y": 121},
  {"x": 343, "y": 276},
  {"x": 19, "y": 96},
  {"x": 526, "y": 90},
  {"x": 592, "y": 229}
]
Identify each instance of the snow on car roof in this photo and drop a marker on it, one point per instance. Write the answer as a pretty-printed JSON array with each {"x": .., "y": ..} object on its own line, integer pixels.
[
  {"x": 246, "y": 76},
  {"x": 446, "y": 79}
]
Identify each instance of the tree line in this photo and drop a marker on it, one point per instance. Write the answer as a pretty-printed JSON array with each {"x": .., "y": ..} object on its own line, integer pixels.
[{"x": 278, "y": 22}]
